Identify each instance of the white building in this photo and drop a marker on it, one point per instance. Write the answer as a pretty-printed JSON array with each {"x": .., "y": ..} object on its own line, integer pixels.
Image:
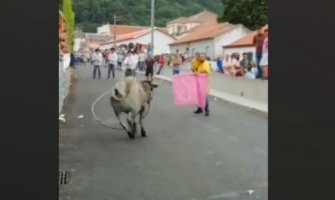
[
  {"x": 161, "y": 40},
  {"x": 209, "y": 38},
  {"x": 178, "y": 27}
]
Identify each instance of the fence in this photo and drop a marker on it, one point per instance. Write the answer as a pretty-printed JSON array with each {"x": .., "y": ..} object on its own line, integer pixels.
[{"x": 65, "y": 74}]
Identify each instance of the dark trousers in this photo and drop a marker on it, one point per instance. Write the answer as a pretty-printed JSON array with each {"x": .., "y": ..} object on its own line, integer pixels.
[
  {"x": 175, "y": 71},
  {"x": 258, "y": 60},
  {"x": 111, "y": 68},
  {"x": 130, "y": 72},
  {"x": 160, "y": 69},
  {"x": 141, "y": 66},
  {"x": 206, "y": 107},
  {"x": 96, "y": 68},
  {"x": 119, "y": 65}
]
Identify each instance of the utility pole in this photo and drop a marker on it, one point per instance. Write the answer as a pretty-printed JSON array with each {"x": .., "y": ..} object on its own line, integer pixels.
[
  {"x": 152, "y": 25},
  {"x": 115, "y": 19},
  {"x": 114, "y": 31}
]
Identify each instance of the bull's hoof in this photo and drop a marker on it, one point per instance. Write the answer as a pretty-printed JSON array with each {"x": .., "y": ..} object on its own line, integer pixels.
[
  {"x": 143, "y": 133},
  {"x": 131, "y": 136}
]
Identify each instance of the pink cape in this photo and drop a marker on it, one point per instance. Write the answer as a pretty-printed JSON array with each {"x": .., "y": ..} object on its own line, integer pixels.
[{"x": 190, "y": 89}]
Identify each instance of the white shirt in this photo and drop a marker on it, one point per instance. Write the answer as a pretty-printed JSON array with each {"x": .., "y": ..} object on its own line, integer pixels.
[
  {"x": 141, "y": 57},
  {"x": 97, "y": 59},
  {"x": 112, "y": 58},
  {"x": 131, "y": 61}
]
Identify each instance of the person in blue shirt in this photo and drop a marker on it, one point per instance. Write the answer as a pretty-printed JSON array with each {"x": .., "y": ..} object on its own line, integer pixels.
[{"x": 219, "y": 64}]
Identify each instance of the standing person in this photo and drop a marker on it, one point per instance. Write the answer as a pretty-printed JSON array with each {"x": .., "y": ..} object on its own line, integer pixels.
[
  {"x": 131, "y": 62},
  {"x": 97, "y": 60},
  {"x": 219, "y": 64},
  {"x": 105, "y": 56},
  {"x": 119, "y": 60},
  {"x": 149, "y": 71},
  {"x": 195, "y": 62},
  {"x": 258, "y": 42},
  {"x": 202, "y": 67},
  {"x": 161, "y": 62},
  {"x": 169, "y": 59},
  {"x": 72, "y": 61},
  {"x": 176, "y": 62},
  {"x": 141, "y": 60},
  {"x": 245, "y": 62},
  {"x": 264, "y": 60},
  {"x": 112, "y": 61}
]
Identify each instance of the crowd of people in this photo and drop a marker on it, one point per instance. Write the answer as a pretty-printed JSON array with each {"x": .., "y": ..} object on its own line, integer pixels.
[
  {"x": 132, "y": 59},
  {"x": 243, "y": 66},
  {"x": 136, "y": 58}
]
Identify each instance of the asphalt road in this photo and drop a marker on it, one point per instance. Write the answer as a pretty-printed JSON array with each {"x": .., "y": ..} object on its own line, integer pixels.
[{"x": 184, "y": 157}]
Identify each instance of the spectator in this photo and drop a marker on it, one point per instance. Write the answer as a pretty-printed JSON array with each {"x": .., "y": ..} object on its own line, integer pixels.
[
  {"x": 131, "y": 62},
  {"x": 258, "y": 42},
  {"x": 161, "y": 61},
  {"x": 112, "y": 61},
  {"x": 252, "y": 71},
  {"x": 202, "y": 66},
  {"x": 245, "y": 62},
  {"x": 119, "y": 60},
  {"x": 264, "y": 60},
  {"x": 105, "y": 56},
  {"x": 219, "y": 64},
  {"x": 149, "y": 71},
  {"x": 195, "y": 61},
  {"x": 239, "y": 72},
  {"x": 97, "y": 60},
  {"x": 176, "y": 62},
  {"x": 141, "y": 60},
  {"x": 72, "y": 61}
]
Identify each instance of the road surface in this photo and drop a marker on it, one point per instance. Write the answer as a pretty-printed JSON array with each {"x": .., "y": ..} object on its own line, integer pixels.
[{"x": 184, "y": 157}]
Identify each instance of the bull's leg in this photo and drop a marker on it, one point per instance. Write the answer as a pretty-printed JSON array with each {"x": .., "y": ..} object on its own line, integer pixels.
[
  {"x": 117, "y": 112},
  {"x": 132, "y": 125},
  {"x": 143, "y": 133}
]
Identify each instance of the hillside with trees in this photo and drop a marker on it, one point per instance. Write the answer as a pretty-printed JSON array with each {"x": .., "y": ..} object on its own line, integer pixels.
[
  {"x": 93, "y": 13},
  {"x": 251, "y": 13}
]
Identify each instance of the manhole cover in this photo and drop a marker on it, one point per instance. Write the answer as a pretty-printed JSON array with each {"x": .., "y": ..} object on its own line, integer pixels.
[{"x": 64, "y": 178}]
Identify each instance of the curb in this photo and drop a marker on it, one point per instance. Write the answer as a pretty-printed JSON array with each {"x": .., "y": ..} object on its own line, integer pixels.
[{"x": 261, "y": 108}]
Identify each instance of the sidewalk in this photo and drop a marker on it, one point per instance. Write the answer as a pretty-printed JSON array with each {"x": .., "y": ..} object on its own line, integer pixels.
[{"x": 217, "y": 91}]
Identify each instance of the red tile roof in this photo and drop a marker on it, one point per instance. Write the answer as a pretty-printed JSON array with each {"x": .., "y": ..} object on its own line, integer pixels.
[
  {"x": 201, "y": 17},
  {"x": 125, "y": 29},
  {"x": 245, "y": 41},
  {"x": 205, "y": 31},
  {"x": 136, "y": 34}
]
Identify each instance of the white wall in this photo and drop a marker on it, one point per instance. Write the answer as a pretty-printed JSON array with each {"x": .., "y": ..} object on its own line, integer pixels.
[
  {"x": 251, "y": 88},
  {"x": 228, "y": 38},
  {"x": 77, "y": 44},
  {"x": 103, "y": 29},
  {"x": 181, "y": 47},
  {"x": 241, "y": 50},
  {"x": 197, "y": 46},
  {"x": 215, "y": 45},
  {"x": 191, "y": 25},
  {"x": 161, "y": 42}
]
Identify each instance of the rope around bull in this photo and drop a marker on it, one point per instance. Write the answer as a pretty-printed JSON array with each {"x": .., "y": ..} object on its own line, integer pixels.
[{"x": 102, "y": 123}]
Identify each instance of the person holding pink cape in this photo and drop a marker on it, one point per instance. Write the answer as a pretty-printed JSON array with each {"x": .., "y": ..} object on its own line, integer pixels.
[
  {"x": 202, "y": 67},
  {"x": 192, "y": 88}
]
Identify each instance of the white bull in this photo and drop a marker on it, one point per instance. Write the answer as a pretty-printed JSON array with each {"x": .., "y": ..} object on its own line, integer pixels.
[{"x": 133, "y": 98}]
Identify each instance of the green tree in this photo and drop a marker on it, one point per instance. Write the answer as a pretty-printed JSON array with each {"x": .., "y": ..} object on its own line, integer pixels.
[
  {"x": 250, "y": 13},
  {"x": 91, "y": 13},
  {"x": 69, "y": 20}
]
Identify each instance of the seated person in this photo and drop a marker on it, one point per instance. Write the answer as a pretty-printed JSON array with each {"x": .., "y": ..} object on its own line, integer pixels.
[{"x": 252, "y": 71}]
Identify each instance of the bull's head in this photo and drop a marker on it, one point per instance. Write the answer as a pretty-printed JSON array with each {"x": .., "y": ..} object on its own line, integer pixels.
[{"x": 151, "y": 85}]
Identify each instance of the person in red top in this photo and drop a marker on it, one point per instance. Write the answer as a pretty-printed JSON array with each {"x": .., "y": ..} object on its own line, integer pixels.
[
  {"x": 161, "y": 61},
  {"x": 258, "y": 42}
]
